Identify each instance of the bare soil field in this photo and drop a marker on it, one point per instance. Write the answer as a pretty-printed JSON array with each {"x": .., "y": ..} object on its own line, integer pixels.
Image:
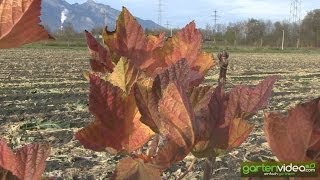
[{"x": 43, "y": 97}]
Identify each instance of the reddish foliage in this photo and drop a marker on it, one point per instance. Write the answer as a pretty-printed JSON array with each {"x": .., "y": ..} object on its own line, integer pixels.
[
  {"x": 296, "y": 136},
  {"x": 27, "y": 163},
  {"x": 19, "y": 23},
  {"x": 227, "y": 114},
  {"x": 186, "y": 44},
  {"x": 152, "y": 90},
  {"x": 152, "y": 53},
  {"x": 166, "y": 108},
  {"x": 129, "y": 40},
  {"x": 117, "y": 120}
]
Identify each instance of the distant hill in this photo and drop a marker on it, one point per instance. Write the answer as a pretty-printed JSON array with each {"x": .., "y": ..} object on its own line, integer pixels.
[{"x": 83, "y": 16}]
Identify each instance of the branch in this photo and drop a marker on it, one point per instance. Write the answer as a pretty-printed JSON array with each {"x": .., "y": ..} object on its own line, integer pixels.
[
  {"x": 223, "y": 62},
  {"x": 208, "y": 168}
]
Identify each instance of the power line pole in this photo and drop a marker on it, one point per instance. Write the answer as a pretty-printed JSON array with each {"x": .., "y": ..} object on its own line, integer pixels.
[
  {"x": 215, "y": 18},
  {"x": 295, "y": 17},
  {"x": 295, "y": 11},
  {"x": 169, "y": 25},
  {"x": 160, "y": 12}
]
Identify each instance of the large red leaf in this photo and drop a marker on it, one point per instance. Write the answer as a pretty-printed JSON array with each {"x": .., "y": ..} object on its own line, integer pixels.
[
  {"x": 152, "y": 53},
  {"x": 165, "y": 107},
  {"x": 27, "y": 163},
  {"x": 117, "y": 120},
  {"x": 246, "y": 101},
  {"x": 129, "y": 40},
  {"x": 130, "y": 168},
  {"x": 177, "y": 126},
  {"x": 228, "y": 114},
  {"x": 186, "y": 44},
  {"x": 295, "y": 136},
  {"x": 148, "y": 92},
  {"x": 19, "y": 23}
]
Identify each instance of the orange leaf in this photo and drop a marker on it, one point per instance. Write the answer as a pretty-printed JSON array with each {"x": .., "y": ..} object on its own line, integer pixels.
[
  {"x": 129, "y": 40},
  {"x": 176, "y": 124},
  {"x": 148, "y": 92},
  {"x": 130, "y": 168},
  {"x": 117, "y": 120},
  {"x": 186, "y": 44},
  {"x": 238, "y": 132},
  {"x": 19, "y": 23},
  {"x": 165, "y": 107},
  {"x": 296, "y": 136},
  {"x": 152, "y": 53},
  {"x": 27, "y": 163}
]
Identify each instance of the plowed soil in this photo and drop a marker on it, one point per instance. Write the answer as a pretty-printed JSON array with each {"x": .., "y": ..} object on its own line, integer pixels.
[{"x": 43, "y": 97}]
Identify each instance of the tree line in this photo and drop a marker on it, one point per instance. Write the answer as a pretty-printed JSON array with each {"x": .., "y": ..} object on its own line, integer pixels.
[
  {"x": 265, "y": 33},
  {"x": 251, "y": 32}
]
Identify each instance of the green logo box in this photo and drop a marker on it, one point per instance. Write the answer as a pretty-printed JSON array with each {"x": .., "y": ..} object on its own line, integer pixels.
[{"x": 279, "y": 169}]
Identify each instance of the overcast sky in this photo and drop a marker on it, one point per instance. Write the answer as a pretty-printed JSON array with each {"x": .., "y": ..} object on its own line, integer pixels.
[{"x": 179, "y": 12}]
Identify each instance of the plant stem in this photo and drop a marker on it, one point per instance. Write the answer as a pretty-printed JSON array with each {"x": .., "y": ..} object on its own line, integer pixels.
[
  {"x": 223, "y": 62},
  {"x": 208, "y": 167}
]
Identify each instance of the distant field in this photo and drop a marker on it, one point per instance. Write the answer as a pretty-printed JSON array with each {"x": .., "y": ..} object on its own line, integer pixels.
[
  {"x": 80, "y": 43},
  {"x": 43, "y": 96}
]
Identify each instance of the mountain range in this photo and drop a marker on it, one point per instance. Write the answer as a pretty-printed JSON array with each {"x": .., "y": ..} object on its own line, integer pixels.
[{"x": 57, "y": 13}]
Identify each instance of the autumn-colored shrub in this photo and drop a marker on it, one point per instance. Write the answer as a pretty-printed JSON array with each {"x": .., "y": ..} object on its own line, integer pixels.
[
  {"x": 146, "y": 89},
  {"x": 146, "y": 92}
]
